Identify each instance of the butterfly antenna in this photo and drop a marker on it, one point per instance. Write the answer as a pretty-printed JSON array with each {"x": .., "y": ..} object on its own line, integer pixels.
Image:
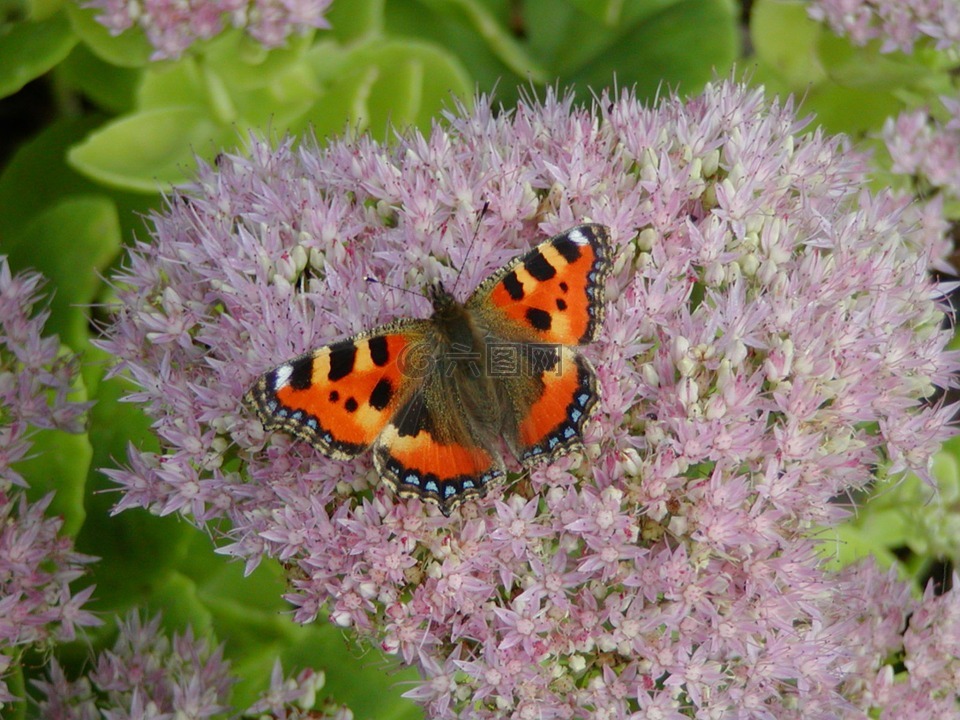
[
  {"x": 473, "y": 241},
  {"x": 371, "y": 279}
]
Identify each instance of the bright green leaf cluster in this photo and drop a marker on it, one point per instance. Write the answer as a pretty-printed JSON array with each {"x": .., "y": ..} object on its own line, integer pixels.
[{"x": 851, "y": 90}]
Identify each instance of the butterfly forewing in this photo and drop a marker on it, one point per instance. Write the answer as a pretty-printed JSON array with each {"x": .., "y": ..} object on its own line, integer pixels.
[
  {"x": 554, "y": 293},
  {"x": 340, "y": 397}
]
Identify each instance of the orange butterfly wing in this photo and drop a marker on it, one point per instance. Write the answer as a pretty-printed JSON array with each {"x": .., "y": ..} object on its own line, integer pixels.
[
  {"x": 553, "y": 294},
  {"x": 430, "y": 451},
  {"x": 542, "y": 303},
  {"x": 340, "y": 397},
  {"x": 382, "y": 389}
]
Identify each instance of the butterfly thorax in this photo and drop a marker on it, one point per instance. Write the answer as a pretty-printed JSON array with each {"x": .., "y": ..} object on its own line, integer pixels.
[
  {"x": 462, "y": 342},
  {"x": 459, "y": 395}
]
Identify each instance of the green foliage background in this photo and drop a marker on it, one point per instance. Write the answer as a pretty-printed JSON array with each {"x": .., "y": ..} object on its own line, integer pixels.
[{"x": 116, "y": 130}]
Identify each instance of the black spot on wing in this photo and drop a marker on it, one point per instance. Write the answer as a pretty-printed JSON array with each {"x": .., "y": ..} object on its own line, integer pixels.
[
  {"x": 538, "y": 266},
  {"x": 512, "y": 286},
  {"x": 301, "y": 377},
  {"x": 381, "y": 395},
  {"x": 567, "y": 248},
  {"x": 539, "y": 319},
  {"x": 343, "y": 355},
  {"x": 561, "y": 304},
  {"x": 351, "y": 405},
  {"x": 378, "y": 351}
]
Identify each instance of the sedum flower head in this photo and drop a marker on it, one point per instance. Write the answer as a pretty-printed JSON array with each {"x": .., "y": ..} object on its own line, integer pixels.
[
  {"x": 898, "y": 24},
  {"x": 148, "y": 674},
  {"x": 771, "y": 332},
  {"x": 37, "y": 563},
  {"x": 927, "y": 148},
  {"x": 173, "y": 26},
  {"x": 919, "y": 639},
  {"x": 35, "y": 380}
]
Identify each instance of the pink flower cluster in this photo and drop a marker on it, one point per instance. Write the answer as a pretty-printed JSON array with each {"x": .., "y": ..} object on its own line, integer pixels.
[
  {"x": 894, "y": 628},
  {"x": 37, "y": 564},
  {"x": 899, "y": 24},
  {"x": 172, "y": 26},
  {"x": 148, "y": 675},
  {"x": 35, "y": 382},
  {"x": 926, "y": 148},
  {"x": 771, "y": 334}
]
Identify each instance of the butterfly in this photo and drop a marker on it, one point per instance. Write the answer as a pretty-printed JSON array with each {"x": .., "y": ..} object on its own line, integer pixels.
[{"x": 432, "y": 397}]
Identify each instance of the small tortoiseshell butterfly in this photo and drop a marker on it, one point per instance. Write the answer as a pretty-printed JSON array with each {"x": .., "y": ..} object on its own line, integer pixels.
[{"x": 432, "y": 397}]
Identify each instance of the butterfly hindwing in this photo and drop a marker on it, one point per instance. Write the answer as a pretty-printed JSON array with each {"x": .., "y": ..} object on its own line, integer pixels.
[
  {"x": 430, "y": 452},
  {"x": 553, "y": 424},
  {"x": 554, "y": 293},
  {"x": 340, "y": 397}
]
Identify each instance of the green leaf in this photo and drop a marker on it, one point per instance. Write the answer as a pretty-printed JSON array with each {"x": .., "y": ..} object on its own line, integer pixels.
[
  {"x": 682, "y": 47},
  {"x": 850, "y": 89},
  {"x": 566, "y": 35},
  {"x": 172, "y": 84},
  {"x": 845, "y": 545},
  {"x": 867, "y": 68},
  {"x": 607, "y": 12},
  {"x": 195, "y": 586},
  {"x": 137, "y": 550},
  {"x": 946, "y": 469},
  {"x": 504, "y": 46},
  {"x": 251, "y": 616},
  {"x": 111, "y": 87},
  {"x": 445, "y": 27},
  {"x": 70, "y": 243},
  {"x": 363, "y": 679},
  {"x": 884, "y": 528},
  {"x": 59, "y": 463},
  {"x": 37, "y": 178},
  {"x": 128, "y": 49},
  {"x": 357, "y": 20},
  {"x": 344, "y": 104},
  {"x": 276, "y": 92},
  {"x": 30, "y": 49},
  {"x": 383, "y": 84},
  {"x": 244, "y": 64},
  {"x": 854, "y": 111},
  {"x": 785, "y": 38},
  {"x": 178, "y": 599},
  {"x": 150, "y": 150},
  {"x": 282, "y": 105},
  {"x": 43, "y": 9},
  {"x": 16, "y": 710}
]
